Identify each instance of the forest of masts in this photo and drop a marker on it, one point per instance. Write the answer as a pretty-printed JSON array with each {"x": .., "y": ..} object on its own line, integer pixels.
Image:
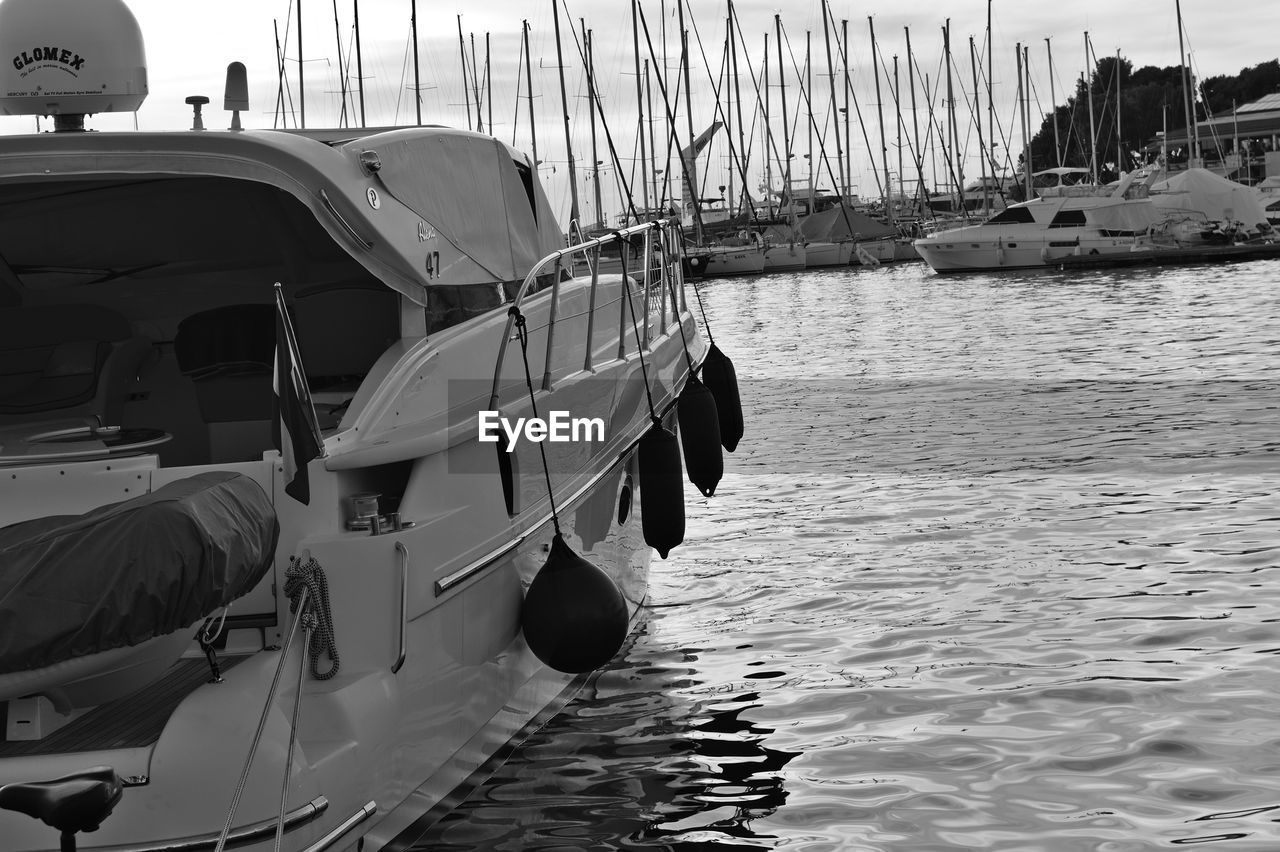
[{"x": 880, "y": 119}]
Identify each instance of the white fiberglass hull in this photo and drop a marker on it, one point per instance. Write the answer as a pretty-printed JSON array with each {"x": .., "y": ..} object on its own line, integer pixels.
[
  {"x": 1029, "y": 252},
  {"x": 784, "y": 258},
  {"x": 733, "y": 260},
  {"x": 822, "y": 254},
  {"x": 1037, "y": 233}
]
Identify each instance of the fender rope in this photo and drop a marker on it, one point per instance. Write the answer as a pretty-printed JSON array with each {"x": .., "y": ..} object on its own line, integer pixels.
[{"x": 316, "y": 618}]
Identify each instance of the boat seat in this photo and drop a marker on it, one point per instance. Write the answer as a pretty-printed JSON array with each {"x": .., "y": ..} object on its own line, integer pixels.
[
  {"x": 228, "y": 353},
  {"x": 72, "y": 803},
  {"x": 61, "y": 360},
  {"x": 344, "y": 327}
]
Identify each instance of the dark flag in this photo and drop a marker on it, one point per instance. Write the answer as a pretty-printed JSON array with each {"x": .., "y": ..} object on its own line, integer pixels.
[{"x": 295, "y": 429}]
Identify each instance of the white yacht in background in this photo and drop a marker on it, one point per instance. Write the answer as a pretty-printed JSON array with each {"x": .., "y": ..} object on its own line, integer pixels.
[
  {"x": 244, "y": 373},
  {"x": 1066, "y": 219}
]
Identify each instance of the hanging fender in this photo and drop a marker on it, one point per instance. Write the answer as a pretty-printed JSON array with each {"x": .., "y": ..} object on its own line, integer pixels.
[
  {"x": 721, "y": 379},
  {"x": 700, "y": 436},
  {"x": 574, "y": 615},
  {"x": 661, "y": 490}
]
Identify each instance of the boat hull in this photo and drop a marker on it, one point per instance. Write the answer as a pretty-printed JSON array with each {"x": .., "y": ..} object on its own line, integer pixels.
[
  {"x": 784, "y": 258},
  {"x": 822, "y": 254},
  {"x": 724, "y": 261},
  {"x": 964, "y": 255}
]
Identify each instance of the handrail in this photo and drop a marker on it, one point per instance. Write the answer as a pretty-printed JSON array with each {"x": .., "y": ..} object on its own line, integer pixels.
[
  {"x": 202, "y": 842},
  {"x": 648, "y": 229},
  {"x": 403, "y": 553}
]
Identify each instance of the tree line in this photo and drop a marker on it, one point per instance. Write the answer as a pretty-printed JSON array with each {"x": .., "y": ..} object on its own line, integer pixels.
[{"x": 1149, "y": 97}]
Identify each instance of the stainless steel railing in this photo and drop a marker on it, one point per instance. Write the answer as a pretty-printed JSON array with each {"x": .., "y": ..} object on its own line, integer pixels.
[{"x": 660, "y": 264}]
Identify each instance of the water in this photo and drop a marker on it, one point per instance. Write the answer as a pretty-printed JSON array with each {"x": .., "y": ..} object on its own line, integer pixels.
[{"x": 995, "y": 567}]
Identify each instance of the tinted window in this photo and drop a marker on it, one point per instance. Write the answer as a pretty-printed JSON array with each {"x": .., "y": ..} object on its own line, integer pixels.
[
  {"x": 1067, "y": 219},
  {"x": 1011, "y": 214}
]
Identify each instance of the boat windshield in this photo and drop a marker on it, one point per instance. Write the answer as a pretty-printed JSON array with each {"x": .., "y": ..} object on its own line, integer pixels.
[{"x": 1011, "y": 215}]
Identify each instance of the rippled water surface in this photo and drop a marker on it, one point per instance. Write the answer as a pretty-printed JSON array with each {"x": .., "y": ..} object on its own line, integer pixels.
[{"x": 995, "y": 567}]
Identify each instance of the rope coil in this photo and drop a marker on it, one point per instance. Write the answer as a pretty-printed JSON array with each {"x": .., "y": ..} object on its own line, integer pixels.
[{"x": 317, "y": 618}]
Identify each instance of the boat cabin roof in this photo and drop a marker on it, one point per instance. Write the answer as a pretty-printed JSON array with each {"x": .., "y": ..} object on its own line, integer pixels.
[{"x": 418, "y": 207}]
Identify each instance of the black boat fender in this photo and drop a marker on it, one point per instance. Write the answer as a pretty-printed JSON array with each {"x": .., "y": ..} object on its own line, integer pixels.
[
  {"x": 721, "y": 379},
  {"x": 575, "y": 616},
  {"x": 661, "y": 490},
  {"x": 700, "y": 436}
]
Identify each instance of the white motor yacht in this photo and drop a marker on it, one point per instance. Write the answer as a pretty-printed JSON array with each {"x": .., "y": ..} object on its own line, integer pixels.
[
  {"x": 285, "y": 555},
  {"x": 1064, "y": 220}
]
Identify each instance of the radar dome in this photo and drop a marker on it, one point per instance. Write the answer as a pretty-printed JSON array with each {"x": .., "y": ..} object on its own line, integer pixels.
[{"x": 70, "y": 57}]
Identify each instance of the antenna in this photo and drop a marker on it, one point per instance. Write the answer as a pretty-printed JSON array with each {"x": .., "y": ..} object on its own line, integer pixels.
[{"x": 236, "y": 95}]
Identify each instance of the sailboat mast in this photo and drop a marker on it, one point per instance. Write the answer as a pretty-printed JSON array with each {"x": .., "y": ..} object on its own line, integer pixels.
[
  {"x": 417, "y": 81},
  {"x": 768, "y": 131},
  {"x": 977, "y": 117},
  {"x": 359, "y": 63},
  {"x": 644, "y": 155},
  {"x": 897, "y": 110},
  {"x": 831, "y": 79},
  {"x": 1026, "y": 133},
  {"x": 1024, "y": 95},
  {"x": 786, "y": 132},
  {"x": 528, "y": 81},
  {"x": 953, "y": 134},
  {"x": 692, "y": 167},
  {"x": 884, "y": 148},
  {"x": 279, "y": 116},
  {"x": 918, "y": 155},
  {"x": 342, "y": 71},
  {"x": 488, "y": 82},
  {"x": 848, "y": 163},
  {"x": 1091, "y": 70},
  {"x": 737, "y": 103},
  {"x": 1186, "y": 86},
  {"x": 466, "y": 91},
  {"x": 574, "y": 213},
  {"x": 475, "y": 86},
  {"x": 808, "y": 93},
  {"x": 658, "y": 192},
  {"x": 302, "y": 89},
  {"x": 1053, "y": 98},
  {"x": 1119, "y": 135},
  {"x": 728, "y": 114},
  {"x": 990, "y": 155},
  {"x": 591, "y": 106}
]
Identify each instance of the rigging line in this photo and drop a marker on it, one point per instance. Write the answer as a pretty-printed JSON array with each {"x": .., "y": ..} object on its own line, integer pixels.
[
  {"x": 822, "y": 151},
  {"x": 715, "y": 88},
  {"x": 857, "y": 108},
  {"x": 927, "y": 146},
  {"x": 724, "y": 62},
  {"x": 757, "y": 113},
  {"x": 404, "y": 73},
  {"x": 522, "y": 332},
  {"x": 800, "y": 83},
  {"x": 515, "y": 129},
  {"x": 608, "y": 137},
  {"x": 933, "y": 124},
  {"x": 671, "y": 121}
]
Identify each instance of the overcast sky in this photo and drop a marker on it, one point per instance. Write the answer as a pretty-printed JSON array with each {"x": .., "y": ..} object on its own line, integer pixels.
[{"x": 189, "y": 45}]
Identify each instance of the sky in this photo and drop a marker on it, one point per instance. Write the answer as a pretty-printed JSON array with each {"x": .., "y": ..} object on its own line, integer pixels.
[{"x": 189, "y": 45}]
